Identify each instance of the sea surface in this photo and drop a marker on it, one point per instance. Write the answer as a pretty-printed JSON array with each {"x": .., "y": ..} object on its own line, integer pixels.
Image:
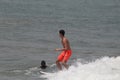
[{"x": 29, "y": 34}]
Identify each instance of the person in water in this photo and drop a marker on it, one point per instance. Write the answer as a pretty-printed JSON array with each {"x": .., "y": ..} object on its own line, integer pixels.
[
  {"x": 43, "y": 65},
  {"x": 65, "y": 51}
]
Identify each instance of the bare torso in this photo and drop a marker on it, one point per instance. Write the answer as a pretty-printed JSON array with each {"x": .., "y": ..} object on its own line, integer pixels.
[{"x": 65, "y": 43}]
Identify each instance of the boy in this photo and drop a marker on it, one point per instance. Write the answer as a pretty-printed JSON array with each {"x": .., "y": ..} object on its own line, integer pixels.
[{"x": 66, "y": 51}]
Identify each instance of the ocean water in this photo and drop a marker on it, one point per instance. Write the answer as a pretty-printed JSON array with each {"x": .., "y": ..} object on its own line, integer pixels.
[{"x": 29, "y": 34}]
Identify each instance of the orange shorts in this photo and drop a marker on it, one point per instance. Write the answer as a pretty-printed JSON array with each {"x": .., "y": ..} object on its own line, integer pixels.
[{"x": 65, "y": 55}]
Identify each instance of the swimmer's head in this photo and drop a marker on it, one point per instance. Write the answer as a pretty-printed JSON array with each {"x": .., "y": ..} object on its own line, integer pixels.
[{"x": 43, "y": 65}]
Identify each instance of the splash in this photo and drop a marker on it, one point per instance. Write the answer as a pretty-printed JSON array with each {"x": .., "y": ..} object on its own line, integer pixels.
[{"x": 105, "y": 68}]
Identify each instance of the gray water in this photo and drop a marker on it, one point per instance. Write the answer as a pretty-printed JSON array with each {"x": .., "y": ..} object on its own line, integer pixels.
[{"x": 29, "y": 32}]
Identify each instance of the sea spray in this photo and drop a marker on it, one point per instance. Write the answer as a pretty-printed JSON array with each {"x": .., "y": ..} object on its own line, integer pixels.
[{"x": 105, "y": 68}]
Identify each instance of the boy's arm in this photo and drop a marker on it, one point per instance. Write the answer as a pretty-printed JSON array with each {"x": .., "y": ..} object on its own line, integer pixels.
[{"x": 65, "y": 42}]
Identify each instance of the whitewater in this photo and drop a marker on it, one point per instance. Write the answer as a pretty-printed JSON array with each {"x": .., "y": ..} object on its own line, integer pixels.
[{"x": 105, "y": 68}]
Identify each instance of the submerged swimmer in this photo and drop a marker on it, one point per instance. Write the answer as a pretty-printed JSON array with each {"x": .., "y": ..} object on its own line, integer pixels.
[{"x": 43, "y": 65}]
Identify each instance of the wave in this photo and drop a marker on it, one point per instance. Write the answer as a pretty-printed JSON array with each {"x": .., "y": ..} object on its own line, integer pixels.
[
  {"x": 33, "y": 71},
  {"x": 106, "y": 68}
]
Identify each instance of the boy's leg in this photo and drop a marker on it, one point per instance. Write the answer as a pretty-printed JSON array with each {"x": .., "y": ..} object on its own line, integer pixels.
[
  {"x": 65, "y": 59},
  {"x": 60, "y": 58},
  {"x": 58, "y": 65},
  {"x": 64, "y": 63}
]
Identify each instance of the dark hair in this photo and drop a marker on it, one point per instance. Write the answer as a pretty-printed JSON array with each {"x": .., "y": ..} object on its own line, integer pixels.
[
  {"x": 43, "y": 65},
  {"x": 62, "y": 32}
]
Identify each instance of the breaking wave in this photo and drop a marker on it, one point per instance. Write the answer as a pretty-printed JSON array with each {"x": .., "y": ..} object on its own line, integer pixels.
[{"x": 106, "y": 68}]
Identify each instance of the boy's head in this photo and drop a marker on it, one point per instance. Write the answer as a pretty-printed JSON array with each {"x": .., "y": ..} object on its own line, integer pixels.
[{"x": 61, "y": 32}]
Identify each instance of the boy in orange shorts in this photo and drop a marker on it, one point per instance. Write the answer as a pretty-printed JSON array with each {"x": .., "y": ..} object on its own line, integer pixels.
[{"x": 66, "y": 51}]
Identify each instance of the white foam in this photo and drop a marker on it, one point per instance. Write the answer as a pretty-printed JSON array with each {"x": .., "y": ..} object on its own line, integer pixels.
[
  {"x": 102, "y": 69},
  {"x": 32, "y": 70}
]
